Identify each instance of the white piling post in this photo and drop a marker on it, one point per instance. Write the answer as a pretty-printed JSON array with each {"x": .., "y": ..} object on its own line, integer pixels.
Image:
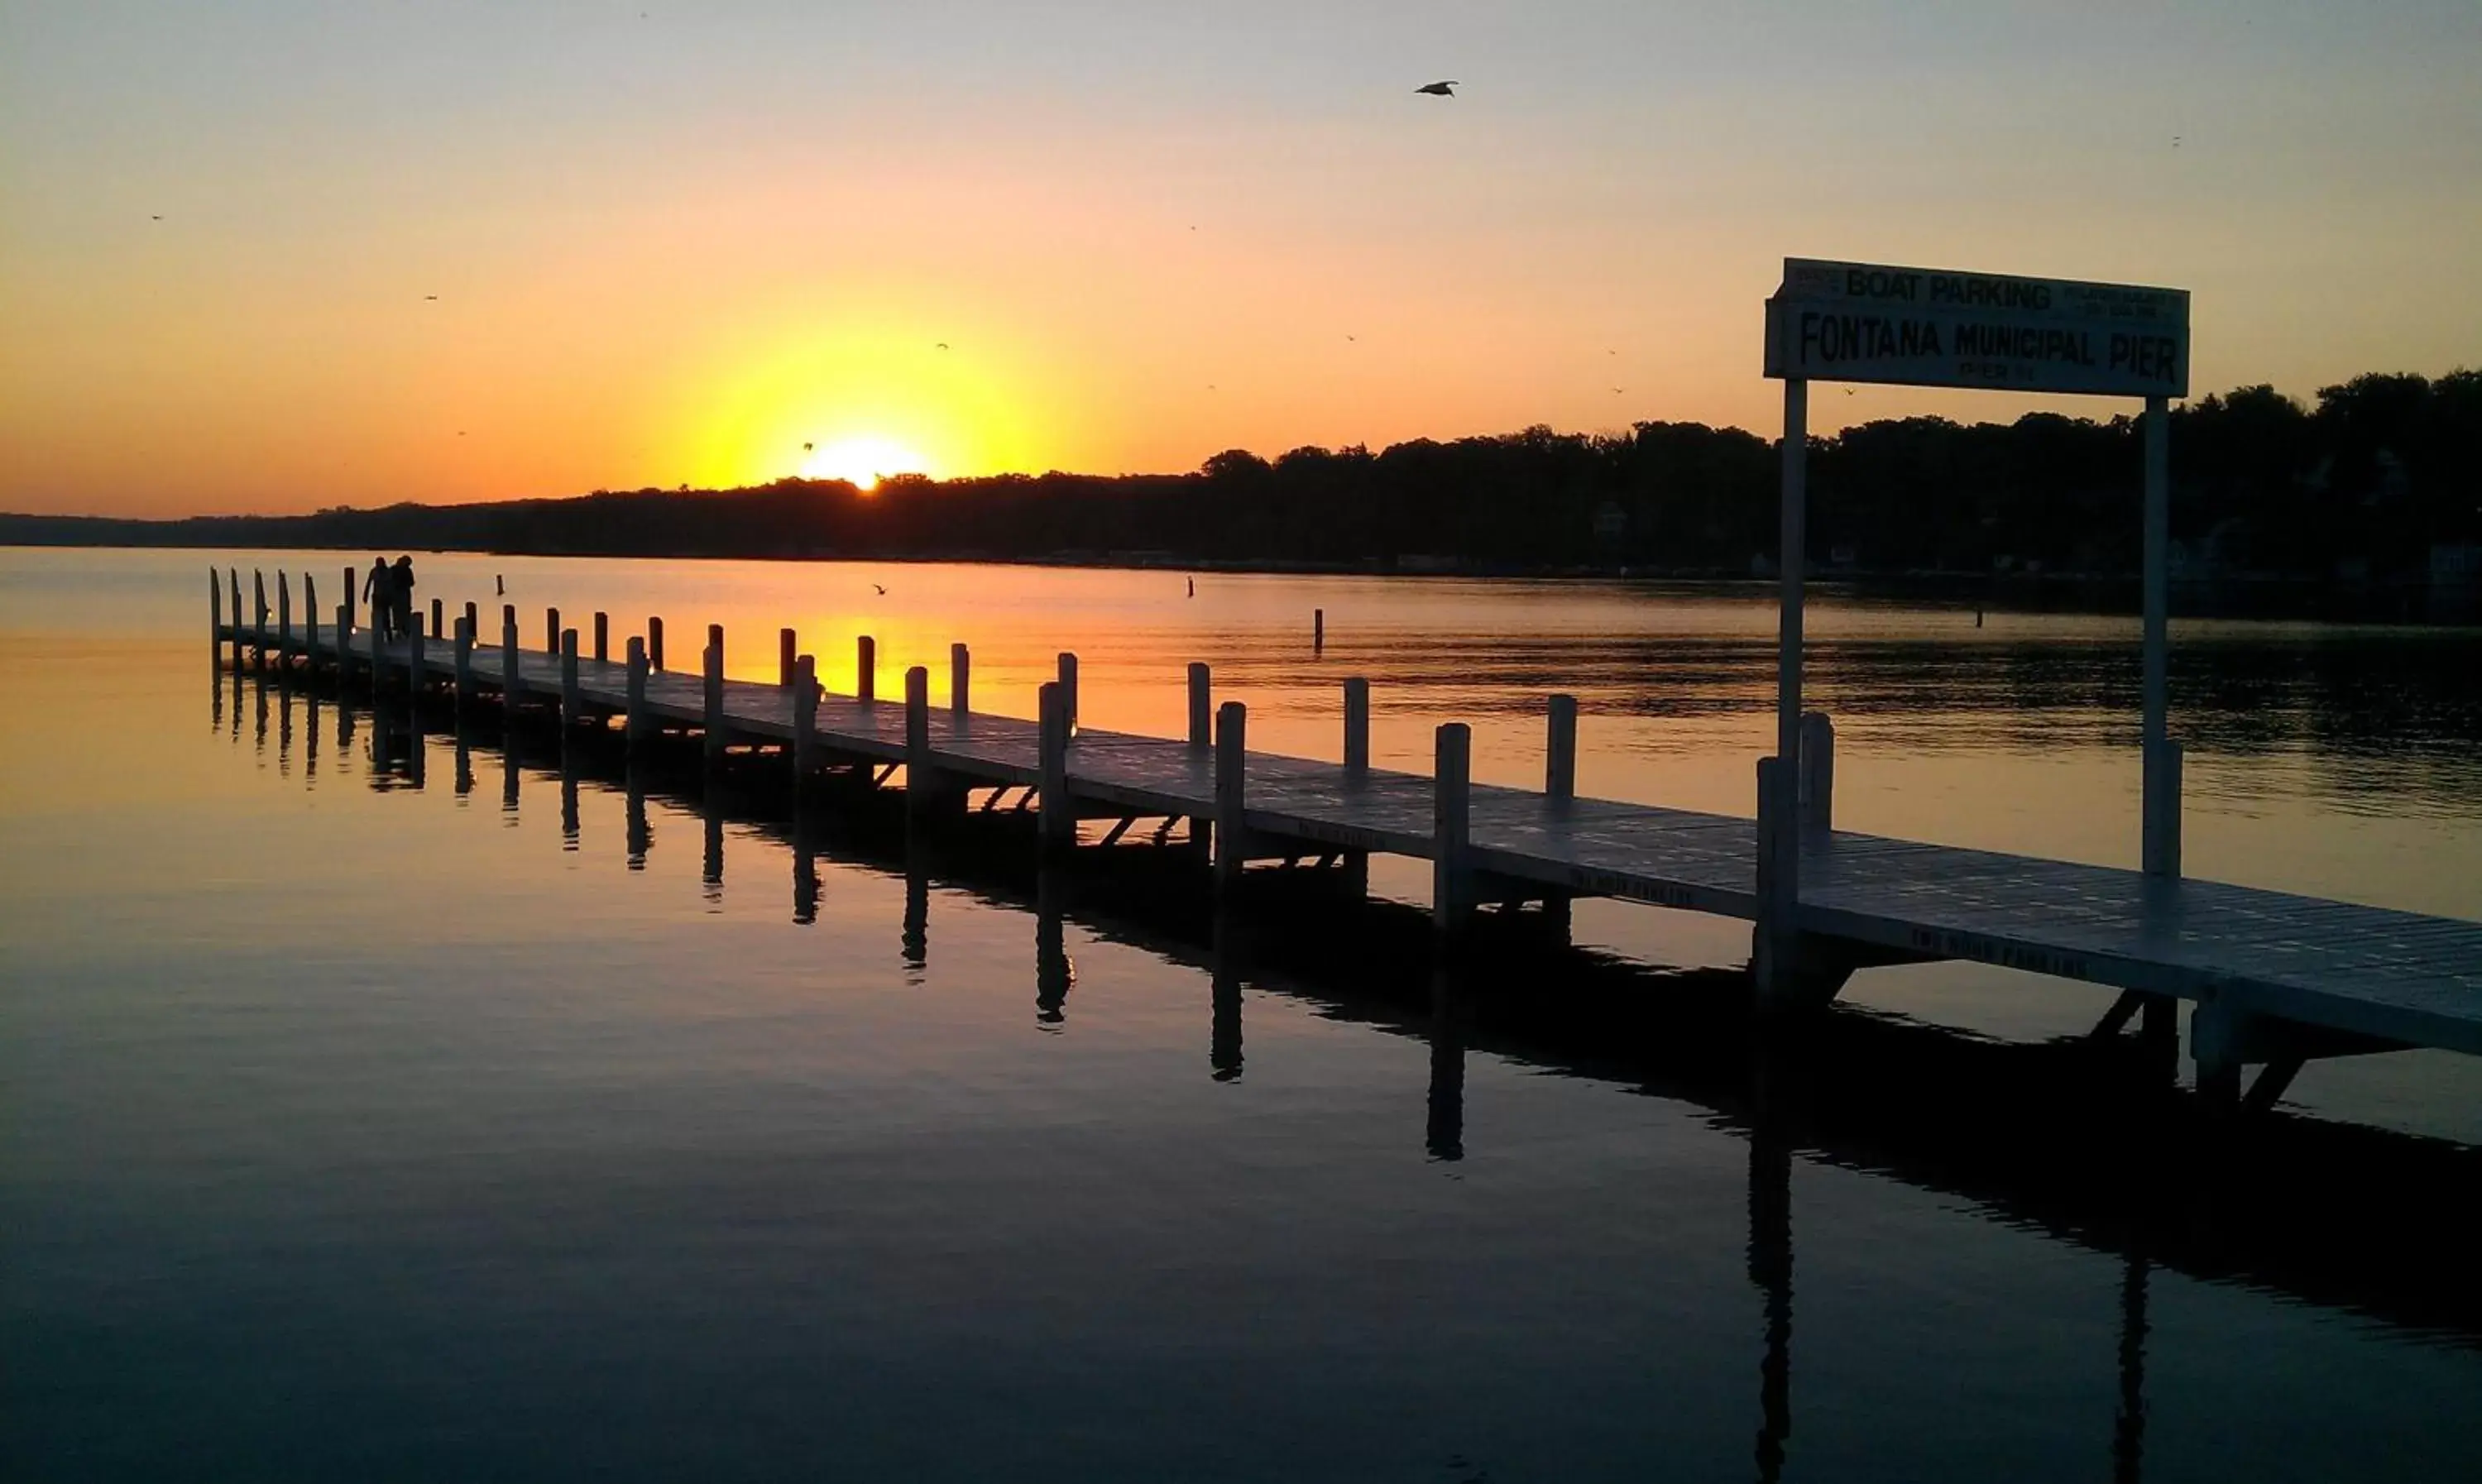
[
  {"x": 1357, "y": 724},
  {"x": 1560, "y": 751},
  {"x": 2159, "y": 808},
  {"x": 1451, "y": 815},
  {"x": 1232, "y": 791}
]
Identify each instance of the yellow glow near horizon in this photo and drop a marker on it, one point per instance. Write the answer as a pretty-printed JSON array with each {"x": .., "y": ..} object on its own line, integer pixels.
[{"x": 862, "y": 461}]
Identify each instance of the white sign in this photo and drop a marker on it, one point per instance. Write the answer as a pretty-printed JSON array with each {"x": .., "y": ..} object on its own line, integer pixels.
[{"x": 1931, "y": 327}]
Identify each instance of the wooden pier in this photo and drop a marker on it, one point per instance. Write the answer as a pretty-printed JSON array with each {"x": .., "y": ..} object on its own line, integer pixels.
[{"x": 2275, "y": 979}]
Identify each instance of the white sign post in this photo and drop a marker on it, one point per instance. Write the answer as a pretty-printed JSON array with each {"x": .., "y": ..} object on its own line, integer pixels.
[{"x": 1930, "y": 327}]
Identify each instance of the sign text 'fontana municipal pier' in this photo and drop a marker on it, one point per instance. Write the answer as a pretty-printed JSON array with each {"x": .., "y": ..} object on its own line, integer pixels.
[{"x": 1930, "y": 327}]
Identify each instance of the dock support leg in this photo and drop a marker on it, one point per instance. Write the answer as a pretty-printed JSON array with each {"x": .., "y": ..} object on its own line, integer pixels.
[
  {"x": 713, "y": 712},
  {"x": 1452, "y": 886},
  {"x": 926, "y": 791},
  {"x": 509, "y": 683},
  {"x": 603, "y": 638},
  {"x": 784, "y": 648},
  {"x": 805, "y": 723},
  {"x": 1795, "y": 971},
  {"x": 284, "y": 616},
  {"x": 413, "y": 661},
  {"x": 465, "y": 667},
  {"x": 310, "y": 625},
  {"x": 1058, "y": 819},
  {"x": 655, "y": 642},
  {"x": 379, "y": 671},
  {"x": 1560, "y": 751},
  {"x": 866, "y": 667},
  {"x": 215, "y": 616},
  {"x": 572, "y": 703},
  {"x": 634, "y": 720},
  {"x": 551, "y": 631},
  {"x": 438, "y": 620},
  {"x": 1357, "y": 729},
  {"x": 961, "y": 679},
  {"x": 1232, "y": 791},
  {"x": 1068, "y": 689},
  {"x": 344, "y": 626},
  {"x": 1817, "y": 792},
  {"x": 1202, "y": 737}
]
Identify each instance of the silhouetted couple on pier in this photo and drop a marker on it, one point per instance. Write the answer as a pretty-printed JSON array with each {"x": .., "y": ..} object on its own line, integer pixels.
[{"x": 389, "y": 589}]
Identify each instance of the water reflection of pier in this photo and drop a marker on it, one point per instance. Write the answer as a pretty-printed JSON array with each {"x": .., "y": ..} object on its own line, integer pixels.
[{"x": 2356, "y": 1218}]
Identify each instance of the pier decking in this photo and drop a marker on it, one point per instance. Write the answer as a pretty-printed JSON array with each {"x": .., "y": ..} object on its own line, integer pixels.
[{"x": 2277, "y": 978}]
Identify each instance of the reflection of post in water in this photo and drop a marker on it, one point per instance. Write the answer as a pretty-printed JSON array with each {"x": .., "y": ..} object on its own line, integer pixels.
[
  {"x": 1444, "y": 1134},
  {"x": 216, "y": 694},
  {"x": 285, "y": 732},
  {"x": 236, "y": 704},
  {"x": 2128, "y": 1429},
  {"x": 311, "y": 732},
  {"x": 509, "y": 780},
  {"x": 568, "y": 803},
  {"x": 464, "y": 760},
  {"x": 916, "y": 944},
  {"x": 343, "y": 722},
  {"x": 382, "y": 750},
  {"x": 805, "y": 874},
  {"x": 1224, "y": 966},
  {"x": 416, "y": 752},
  {"x": 258, "y": 687},
  {"x": 711, "y": 871},
  {"x": 1770, "y": 1265},
  {"x": 638, "y": 833},
  {"x": 1054, "y": 972}
]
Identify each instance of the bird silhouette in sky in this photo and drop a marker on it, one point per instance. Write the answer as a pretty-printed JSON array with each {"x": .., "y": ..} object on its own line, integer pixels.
[
  {"x": 430, "y": 298},
  {"x": 1445, "y": 89},
  {"x": 1353, "y": 337},
  {"x": 943, "y": 345},
  {"x": 880, "y": 590},
  {"x": 806, "y": 448},
  {"x": 155, "y": 219}
]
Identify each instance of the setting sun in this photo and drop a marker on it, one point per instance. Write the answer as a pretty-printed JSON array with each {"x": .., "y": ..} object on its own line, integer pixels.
[{"x": 862, "y": 461}]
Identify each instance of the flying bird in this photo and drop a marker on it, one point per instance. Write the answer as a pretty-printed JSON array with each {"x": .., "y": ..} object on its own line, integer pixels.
[
  {"x": 429, "y": 298},
  {"x": 1445, "y": 89},
  {"x": 943, "y": 345},
  {"x": 155, "y": 219},
  {"x": 806, "y": 448},
  {"x": 880, "y": 590}
]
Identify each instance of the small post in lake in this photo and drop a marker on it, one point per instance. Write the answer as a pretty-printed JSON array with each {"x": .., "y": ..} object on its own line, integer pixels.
[
  {"x": 1560, "y": 751},
  {"x": 1068, "y": 688},
  {"x": 784, "y": 652},
  {"x": 866, "y": 669},
  {"x": 1232, "y": 791},
  {"x": 713, "y": 713},
  {"x": 572, "y": 706},
  {"x": 1058, "y": 818},
  {"x": 1201, "y": 706},
  {"x": 634, "y": 718},
  {"x": 961, "y": 681},
  {"x": 1356, "y": 726},
  {"x": 1451, "y": 817}
]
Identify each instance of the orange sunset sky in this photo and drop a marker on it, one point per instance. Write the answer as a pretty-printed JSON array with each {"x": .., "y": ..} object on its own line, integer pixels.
[{"x": 673, "y": 244}]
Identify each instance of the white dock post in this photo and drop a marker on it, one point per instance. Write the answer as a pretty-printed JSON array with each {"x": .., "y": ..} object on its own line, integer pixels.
[
  {"x": 215, "y": 615},
  {"x": 413, "y": 660},
  {"x": 464, "y": 664},
  {"x": 961, "y": 679},
  {"x": 551, "y": 631},
  {"x": 2159, "y": 808},
  {"x": 1068, "y": 689},
  {"x": 921, "y": 781},
  {"x": 655, "y": 642},
  {"x": 1560, "y": 751},
  {"x": 1817, "y": 791},
  {"x": 1201, "y": 706},
  {"x": 634, "y": 722},
  {"x": 283, "y": 611},
  {"x": 1357, "y": 724},
  {"x": 1794, "y": 561},
  {"x": 713, "y": 715},
  {"x": 1058, "y": 817},
  {"x": 866, "y": 669},
  {"x": 805, "y": 719},
  {"x": 572, "y": 702},
  {"x": 785, "y": 658},
  {"x": 1451, "y": 820},
  {"x": 353, "y": 595},
  {"x": 508, "y": 685},
  {"x": 1231, "y": 792}
]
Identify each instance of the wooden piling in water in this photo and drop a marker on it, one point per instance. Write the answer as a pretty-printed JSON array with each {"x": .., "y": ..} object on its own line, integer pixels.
[
  {"x": 1560, "y": 751},
  {"x": 215, "y": 615},
  {"x": 258, "y": 616},
  {"x": 473, "y": 621},
  {"x": 310, "y": 625},
  {"x": 573, "y": 701},
  {"x": 439, "y": 617},
  {"x": 634, "y": 718},
  {"x": 1058, "y": 820},
  {"x": 283, "y": 612},
  {"x": 1357, "y": 724},
  {"x": 805, "y": 719},
  {"x": 379, "y": 672},
  {"x": 961, "y": 679},
  {"x": 1201, "y": 706},
  {"x": 785, "y": 658},
  {"x": 921, "y": 779},
  {"x": 551, "y": 631},
  {"x": 655, "y": 642},
  {"x": 508, "y": 690},
  {"x": 1451, "y": 819},
  {"x": 352, "y": 596},
  {"x": 413, "y": 659},
  {"x": 1068, "y": 689},
  {"x": 866, "y": 668},
  {"x": 603, "y": 638},
  {"x": 1817, "y": 795},
  {"x": 713, "y": 713},
  {"x": 465, "y": 663},
  {"x": 1231, "y": 790}
]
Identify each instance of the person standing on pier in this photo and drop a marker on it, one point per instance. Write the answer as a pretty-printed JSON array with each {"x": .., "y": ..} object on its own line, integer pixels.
[
  {"x": 401, "y": 597},
  {"x": 378, "y": 593}
]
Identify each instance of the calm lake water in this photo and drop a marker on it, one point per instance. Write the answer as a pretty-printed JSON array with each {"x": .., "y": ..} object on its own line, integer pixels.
[{"x": 366, "y": 1120}]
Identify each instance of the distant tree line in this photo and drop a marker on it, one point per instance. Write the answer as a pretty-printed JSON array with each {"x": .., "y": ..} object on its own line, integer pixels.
[{"x": 2360, "y": 485}]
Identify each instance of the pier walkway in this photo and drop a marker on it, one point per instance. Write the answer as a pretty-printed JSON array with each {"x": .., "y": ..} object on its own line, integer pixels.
[{"x": 2277, "y": 978}]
